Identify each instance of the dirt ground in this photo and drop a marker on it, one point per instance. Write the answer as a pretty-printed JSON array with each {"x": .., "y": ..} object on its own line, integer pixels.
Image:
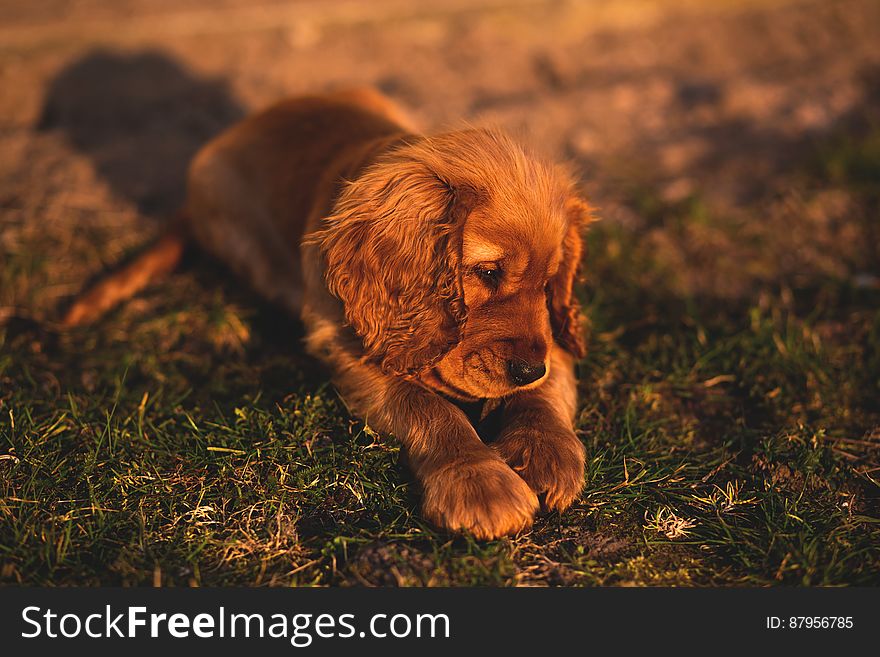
[{"x": 103, "y": 103}]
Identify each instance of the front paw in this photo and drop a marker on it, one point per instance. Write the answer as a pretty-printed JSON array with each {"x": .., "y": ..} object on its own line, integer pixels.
[
  {"x": 550, "y": 462},
  {"x": 481, "y": 496}
]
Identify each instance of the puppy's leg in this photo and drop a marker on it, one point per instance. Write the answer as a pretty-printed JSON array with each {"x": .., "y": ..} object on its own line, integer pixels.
[
  {"x": 466, "y": 485},
  {"x": 154, "y": 262},
  {"x": 537, "y": 439}
]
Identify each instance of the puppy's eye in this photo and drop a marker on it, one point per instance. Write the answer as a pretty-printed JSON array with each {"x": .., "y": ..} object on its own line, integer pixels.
[{"x": 489, "y": 274}]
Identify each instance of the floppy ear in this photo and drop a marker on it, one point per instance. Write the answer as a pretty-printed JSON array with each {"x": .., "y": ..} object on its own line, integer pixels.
[
  {"x": 565, "y": 315},
  {"x": 392, "y": 249}
]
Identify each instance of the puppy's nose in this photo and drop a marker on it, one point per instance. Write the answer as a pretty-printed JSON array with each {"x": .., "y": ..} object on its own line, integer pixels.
[{"x": 523, "y": 373}]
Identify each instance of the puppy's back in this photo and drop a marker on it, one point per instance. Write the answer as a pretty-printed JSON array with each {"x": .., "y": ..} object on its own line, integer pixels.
[{"x": 252, "y": 190}]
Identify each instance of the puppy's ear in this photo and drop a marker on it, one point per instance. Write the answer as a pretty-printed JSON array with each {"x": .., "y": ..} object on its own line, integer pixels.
[
  {"x": 392, "y": 249},
  {"x": 565, "y": 315}
]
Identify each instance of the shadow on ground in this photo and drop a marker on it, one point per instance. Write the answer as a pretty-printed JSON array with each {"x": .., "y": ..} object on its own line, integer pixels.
[{"x": 140, "y": 118}]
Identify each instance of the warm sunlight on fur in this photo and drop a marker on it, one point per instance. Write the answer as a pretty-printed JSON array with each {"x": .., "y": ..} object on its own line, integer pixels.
[{"x": 429, "y": 271}]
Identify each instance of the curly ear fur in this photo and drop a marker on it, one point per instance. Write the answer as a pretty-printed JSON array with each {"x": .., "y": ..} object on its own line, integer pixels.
[
  {"x": 565, "y": 315},
  {"x": 392, "y": 249}
]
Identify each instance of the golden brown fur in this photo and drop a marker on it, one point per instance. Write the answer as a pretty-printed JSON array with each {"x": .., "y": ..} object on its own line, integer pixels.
[{"x": 430, "y": 272}]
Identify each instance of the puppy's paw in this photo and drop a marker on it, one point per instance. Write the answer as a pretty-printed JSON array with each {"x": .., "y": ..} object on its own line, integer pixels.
[
  {"x": 481, "y": 496},
  {"x": 551, "y": 463}
]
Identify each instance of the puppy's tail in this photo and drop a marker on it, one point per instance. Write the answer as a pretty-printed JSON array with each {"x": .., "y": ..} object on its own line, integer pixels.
[{"x": 154, "y": 262}]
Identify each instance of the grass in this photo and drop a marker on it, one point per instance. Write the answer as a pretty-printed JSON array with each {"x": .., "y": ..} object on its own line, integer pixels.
[{"x": 731, "y": 439}]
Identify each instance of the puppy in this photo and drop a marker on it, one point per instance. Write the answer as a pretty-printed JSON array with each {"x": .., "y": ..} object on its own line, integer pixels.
[{"x": 431, "y": 273}]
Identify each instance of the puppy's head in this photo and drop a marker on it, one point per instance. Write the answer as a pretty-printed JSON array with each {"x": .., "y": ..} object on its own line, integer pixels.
[{"x": 454, "y": 257}]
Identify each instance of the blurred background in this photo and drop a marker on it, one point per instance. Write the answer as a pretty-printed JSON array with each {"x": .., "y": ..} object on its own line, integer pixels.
[{"x": 751, "y": 111}]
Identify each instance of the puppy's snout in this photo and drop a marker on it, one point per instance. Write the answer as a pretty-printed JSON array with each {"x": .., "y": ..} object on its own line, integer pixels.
[{"x": 523, "y": 373}]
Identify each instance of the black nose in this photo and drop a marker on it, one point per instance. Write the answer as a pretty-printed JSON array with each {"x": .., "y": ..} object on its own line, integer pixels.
[{"x": 523, "y": 373}]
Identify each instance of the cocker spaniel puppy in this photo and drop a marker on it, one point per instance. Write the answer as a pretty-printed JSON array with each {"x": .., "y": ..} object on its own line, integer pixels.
[{"x": 432, "y": 273}]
